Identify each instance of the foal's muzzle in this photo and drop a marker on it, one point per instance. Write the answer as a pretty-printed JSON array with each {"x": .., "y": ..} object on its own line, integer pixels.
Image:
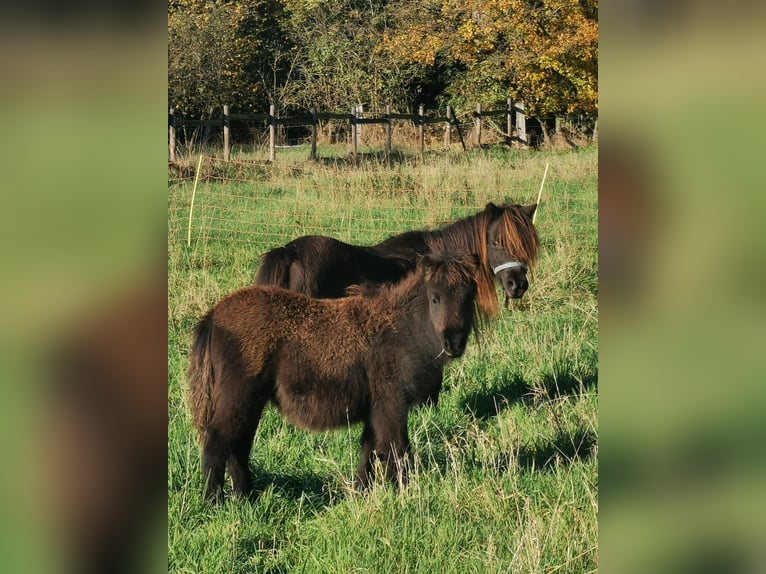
[{"x": 454, "y": 344}]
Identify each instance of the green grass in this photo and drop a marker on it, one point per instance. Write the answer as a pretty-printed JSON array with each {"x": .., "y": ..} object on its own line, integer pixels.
[{"x": 505, "y": 469}]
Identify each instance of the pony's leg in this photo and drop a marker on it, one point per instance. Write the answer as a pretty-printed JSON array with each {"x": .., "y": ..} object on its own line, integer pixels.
[
  {"x": 213, "y": 463},
  {"x": 392, "y": 445},
  {"x": 433, "y": 397},
  {"x": 239, "y": 455},
  {"x": 230, "y": 434},
  {"x": 364, "y": 470}
]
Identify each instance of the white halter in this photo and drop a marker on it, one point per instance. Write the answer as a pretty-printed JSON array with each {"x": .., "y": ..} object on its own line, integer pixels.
[{"x": 508, "y": 265}]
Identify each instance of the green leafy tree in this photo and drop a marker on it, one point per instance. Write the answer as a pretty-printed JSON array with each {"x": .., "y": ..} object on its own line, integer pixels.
[
  {"x": 342, "y": 59},
  {"x": 225, "y": 52}
]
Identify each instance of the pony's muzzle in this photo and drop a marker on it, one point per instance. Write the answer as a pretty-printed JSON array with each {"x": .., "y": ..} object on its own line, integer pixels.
[
  {"x": 454, "y": 344},
  {"x": 515, "y": 287}
]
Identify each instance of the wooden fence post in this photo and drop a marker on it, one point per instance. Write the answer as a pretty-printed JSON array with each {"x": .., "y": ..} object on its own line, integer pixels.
[
  {"x": 460, "y": 133},
  {"x": 172, "y": 135},
  {"x": 478, "y": 124},
  {"x": 359, "y": 113},
  {"x": 448, "y": 129},
  {"x": 272, "y": 133},
  {"x": 314, "y": 127},
  {"x": 421, "y": 130},
  {"x": 388, "y": 130},
  {"x": 353, "y": 131},
  {"x": 509, "y": 120},
  {"x": 226, "y": 141},
  {"x": 521, "y": 123}
]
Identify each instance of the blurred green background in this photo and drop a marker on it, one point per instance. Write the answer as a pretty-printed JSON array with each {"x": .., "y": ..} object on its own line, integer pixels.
[
  {"x": 683, "y": 315},
  {"x": 82, "y": 229},
  {"x": 683, "y": 319}
]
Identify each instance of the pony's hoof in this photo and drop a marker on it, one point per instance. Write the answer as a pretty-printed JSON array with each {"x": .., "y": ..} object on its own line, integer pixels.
[
  {"x": 248, "y": 495},
  {"x": 215, "y": 497}
]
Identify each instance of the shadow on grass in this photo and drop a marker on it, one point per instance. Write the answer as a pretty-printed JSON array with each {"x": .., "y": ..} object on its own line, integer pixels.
[
  {"x": 488, "y": 403},
  {"x": 318, "y": 491},
  {"x": 564, "y": 448}
]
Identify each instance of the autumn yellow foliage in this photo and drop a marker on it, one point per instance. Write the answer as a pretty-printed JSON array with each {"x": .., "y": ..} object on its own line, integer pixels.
[{"x": 325, "y": 53}]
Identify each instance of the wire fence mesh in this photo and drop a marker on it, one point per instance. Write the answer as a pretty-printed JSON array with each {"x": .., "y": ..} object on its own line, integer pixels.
[{"x": 266, "y": 205}]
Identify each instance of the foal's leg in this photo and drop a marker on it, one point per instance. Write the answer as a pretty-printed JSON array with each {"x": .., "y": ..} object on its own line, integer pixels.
[
  {"x": 364, "y": 470},
  {"x": 213, "y": 462},
  {"x": 239, "y": 455},
  {"x": 432, "y": 399},
  {"x": 229, "y": 434},
  {"x": 392, "y": 445}
]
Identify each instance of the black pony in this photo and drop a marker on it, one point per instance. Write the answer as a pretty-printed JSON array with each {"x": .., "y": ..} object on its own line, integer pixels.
[
  {"x": 326, "y": 362},
  {"x": 503, "y": 237}
]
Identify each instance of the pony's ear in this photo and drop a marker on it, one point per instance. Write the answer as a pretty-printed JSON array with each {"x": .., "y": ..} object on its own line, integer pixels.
[
  {"x": 529, "y": 210},
  {"x": 492, "y": 209}
]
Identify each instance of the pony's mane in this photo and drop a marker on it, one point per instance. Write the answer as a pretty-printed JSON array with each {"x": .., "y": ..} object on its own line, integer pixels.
[{"x": 516, "y": 233}]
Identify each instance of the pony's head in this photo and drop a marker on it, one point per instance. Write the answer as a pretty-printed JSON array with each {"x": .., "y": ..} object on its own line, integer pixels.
[
  {"x": 512, "y": 245},
  {"x": 450, "y": 289}
]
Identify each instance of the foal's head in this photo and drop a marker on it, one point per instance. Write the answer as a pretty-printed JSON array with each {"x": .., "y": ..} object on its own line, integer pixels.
[
  {"x": 512, "y": 245},
  {"x": 450, "y": 288}
]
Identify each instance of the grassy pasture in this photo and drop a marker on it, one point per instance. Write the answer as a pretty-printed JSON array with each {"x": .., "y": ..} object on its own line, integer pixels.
[{"x": 505, "y": 475}]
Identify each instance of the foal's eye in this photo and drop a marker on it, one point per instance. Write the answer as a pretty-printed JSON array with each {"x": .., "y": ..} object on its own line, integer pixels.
[
  {"x": 435, "y": 299},
  {"x": 494, "y": 242}
]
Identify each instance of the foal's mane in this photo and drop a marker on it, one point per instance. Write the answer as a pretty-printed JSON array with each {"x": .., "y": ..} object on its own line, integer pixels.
[
  {"x": 392, "y": 292},
  {"x": 451, "y": 270},
  {"x": 517, "y": 235}
]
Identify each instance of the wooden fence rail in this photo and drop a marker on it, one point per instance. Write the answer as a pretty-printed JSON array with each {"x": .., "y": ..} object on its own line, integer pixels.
[{"x": 512, "y": 111}]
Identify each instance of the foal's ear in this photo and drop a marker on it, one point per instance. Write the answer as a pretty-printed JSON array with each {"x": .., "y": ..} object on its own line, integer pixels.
[
  {"x": 529, "y": 210},
  {"x": 432, "y": 264},
  {"x": 427, "y": 262}
]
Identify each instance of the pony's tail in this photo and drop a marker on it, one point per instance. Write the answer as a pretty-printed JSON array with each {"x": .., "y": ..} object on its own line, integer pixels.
[
  {"x": 275, "y": 268},
  {"x": 199, "y": 376}
]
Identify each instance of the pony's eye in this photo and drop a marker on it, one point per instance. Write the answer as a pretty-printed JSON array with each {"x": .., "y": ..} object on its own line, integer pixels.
[
  {"x": 435, "y": 299},
  {"x": 494, "y": 242}
]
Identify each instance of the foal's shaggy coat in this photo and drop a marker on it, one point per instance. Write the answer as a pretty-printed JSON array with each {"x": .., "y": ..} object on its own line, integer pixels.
[{"x": 324, "y": 363}]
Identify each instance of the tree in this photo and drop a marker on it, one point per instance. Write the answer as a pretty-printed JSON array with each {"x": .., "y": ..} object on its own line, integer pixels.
[
  {"x": 543, "y": 52},
  {"x": 332, "y": 53},
  {"x": 341, "y": 58},
  {"x": 225, "y": 52}
]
